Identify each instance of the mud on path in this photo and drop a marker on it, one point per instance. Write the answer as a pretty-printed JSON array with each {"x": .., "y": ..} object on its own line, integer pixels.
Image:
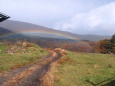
[{"x": 29, "y": 75}]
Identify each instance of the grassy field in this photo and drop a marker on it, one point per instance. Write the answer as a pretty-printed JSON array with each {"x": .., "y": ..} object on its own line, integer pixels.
[
  {"x": 20, "y": 57},
  {"x": 86, "y": 69}
]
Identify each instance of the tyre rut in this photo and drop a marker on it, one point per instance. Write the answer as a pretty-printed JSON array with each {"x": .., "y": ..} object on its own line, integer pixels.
[{"x": 31, "y": 76}]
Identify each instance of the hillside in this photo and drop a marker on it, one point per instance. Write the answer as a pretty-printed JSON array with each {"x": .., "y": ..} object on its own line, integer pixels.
[
  {"x": 36, "y": 30},
  {"x": 4, "y": 31},
  {"x": 47, "y": 37},
  {"x": 9, "y": 35}
]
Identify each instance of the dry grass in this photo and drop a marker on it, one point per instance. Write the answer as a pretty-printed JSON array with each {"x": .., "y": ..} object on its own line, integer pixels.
[{"x": 49, "y": 78}]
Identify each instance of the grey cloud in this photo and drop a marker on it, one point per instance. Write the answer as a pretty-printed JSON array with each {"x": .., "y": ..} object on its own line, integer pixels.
[
  {"x": 97, "y": 21},
  {"x": 53, "y": 12}
]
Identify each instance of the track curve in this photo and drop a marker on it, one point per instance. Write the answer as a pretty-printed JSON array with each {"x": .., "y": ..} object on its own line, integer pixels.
[{"x": 31, "y": 75}]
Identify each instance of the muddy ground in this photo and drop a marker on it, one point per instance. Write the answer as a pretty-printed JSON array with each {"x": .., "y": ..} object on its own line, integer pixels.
[{"x": 29, "y": 75}]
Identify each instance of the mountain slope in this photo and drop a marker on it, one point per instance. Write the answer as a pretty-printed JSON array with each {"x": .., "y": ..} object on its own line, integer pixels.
[
  {"x": 36, "y": 30},
  {"x": 6, "y": 34},
  {"x": 4, "y": 31},
  {"x": 45, "y": 42}
]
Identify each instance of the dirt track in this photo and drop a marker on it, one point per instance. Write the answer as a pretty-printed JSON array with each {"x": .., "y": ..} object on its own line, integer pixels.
[{"x": 29, "y": 75}]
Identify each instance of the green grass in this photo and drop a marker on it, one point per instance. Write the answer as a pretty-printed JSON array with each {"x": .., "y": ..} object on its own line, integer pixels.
[
  {"x": 86, "y": 69},
  {"x": 10, "y": 61},
  {"x": 2, "y": 48}
]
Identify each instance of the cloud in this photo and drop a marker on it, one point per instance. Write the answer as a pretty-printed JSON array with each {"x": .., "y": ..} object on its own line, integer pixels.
[
  {"x": 97, "y": 21},
  {"x": 69, "y": 15},
  {"x": 46, "y": 12},
  {"x": 41, "y": 12}
]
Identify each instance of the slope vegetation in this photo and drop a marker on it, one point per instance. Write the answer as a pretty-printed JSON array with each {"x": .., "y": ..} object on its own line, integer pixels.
[{"x": 15, "y": 55}]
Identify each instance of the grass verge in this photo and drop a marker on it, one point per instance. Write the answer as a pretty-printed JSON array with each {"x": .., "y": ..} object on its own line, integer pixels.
[
  {"x": 49, "y": 78},
  {"x": 21, "y": 57},
  {"x": 86, "y": 69}
]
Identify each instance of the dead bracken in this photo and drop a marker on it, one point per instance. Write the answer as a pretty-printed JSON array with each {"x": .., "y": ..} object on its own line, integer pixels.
[{"x": 20, "y": 48}]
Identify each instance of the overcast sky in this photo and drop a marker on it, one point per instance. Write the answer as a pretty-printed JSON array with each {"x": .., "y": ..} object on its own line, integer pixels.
[{"x": 77, "y": 16}]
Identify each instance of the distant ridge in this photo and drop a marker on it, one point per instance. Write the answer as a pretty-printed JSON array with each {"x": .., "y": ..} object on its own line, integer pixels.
[
  {"x": 19, "y": 27},
  {"x": 4, "y": 32}
]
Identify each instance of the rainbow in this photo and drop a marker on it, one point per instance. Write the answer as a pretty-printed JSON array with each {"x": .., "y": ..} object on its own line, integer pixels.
[{"x": 51, "y": 32}]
